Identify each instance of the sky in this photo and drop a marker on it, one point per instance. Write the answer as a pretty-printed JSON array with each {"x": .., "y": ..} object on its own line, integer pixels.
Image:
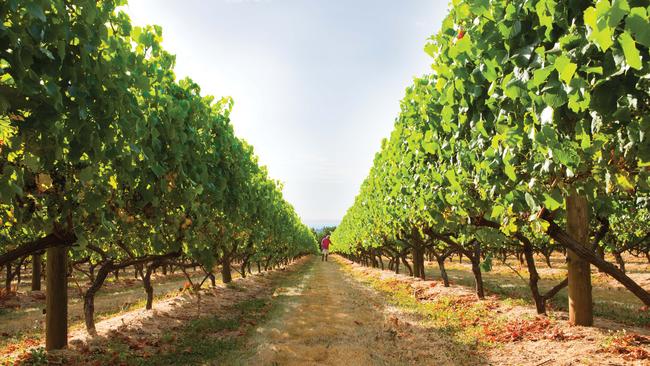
[{"x": 316, "y": 83}]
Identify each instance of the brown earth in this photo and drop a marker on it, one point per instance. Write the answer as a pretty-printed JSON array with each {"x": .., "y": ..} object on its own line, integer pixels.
[
  {"x": 331, "y": 313},
  {"x": 330, "y": 319},
  {"x": 146, "y": 327},
  {"x": 547, "y": 342},
  {"x": 26, "y": 316}
]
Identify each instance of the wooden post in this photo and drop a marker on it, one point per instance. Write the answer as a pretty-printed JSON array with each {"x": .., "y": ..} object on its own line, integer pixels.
[
  {"x": 36, "y": 272},
  {"x": 56, "y": 316},
  {"x": 580, "y": 301}
]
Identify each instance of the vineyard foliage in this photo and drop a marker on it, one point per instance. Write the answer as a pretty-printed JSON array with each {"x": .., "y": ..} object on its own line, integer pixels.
[
  {"x": 102, "y": 150},
  {"x": 528, "y": 104}
]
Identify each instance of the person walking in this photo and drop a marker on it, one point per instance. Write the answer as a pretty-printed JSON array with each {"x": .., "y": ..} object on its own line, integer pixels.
[{"x": 325, "y": 247}]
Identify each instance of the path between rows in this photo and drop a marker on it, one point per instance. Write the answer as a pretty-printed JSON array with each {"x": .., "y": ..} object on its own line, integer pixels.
[{"x": 328, "y": 319}]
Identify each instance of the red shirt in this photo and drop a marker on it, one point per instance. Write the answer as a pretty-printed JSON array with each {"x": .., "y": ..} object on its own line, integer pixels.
[{"x": 325, "y": 244}]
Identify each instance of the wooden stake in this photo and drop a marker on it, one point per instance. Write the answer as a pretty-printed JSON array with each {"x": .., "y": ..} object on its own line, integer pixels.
[
  {"x": 580, "y": 300},
  {"x": 56, "y": 316}
]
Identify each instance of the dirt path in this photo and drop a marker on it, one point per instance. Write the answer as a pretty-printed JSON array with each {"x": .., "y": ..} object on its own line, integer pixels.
[{"x": 328, "y": 319}]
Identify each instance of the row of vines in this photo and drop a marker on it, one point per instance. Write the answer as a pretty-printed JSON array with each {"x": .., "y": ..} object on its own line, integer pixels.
[
  {"x": 529, "y": 137},
  {"x": 107, "y": 162}
]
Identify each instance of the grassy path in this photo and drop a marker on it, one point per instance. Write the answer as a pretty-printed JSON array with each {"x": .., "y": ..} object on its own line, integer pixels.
[
  {"x": 331, "y": 319},
  {"x": 324, "y": 321}
]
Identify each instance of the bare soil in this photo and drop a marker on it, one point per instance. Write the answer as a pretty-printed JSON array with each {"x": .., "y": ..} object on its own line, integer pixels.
[
  {"x": 23, "y": 313},
  {"x": 330, "y": 319},
  {"x": 611, "y": 300},
  {"x": 513, "y": 334},
  {"x": 340, "y": 313},
  {"x": 150, "y": 332}
]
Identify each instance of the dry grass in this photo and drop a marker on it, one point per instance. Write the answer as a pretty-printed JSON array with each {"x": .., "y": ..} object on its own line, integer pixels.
[
  {"x": 506, "y": 332},
  {"x": 611, "y": 300},
  {"x": 123, "y": 334}
]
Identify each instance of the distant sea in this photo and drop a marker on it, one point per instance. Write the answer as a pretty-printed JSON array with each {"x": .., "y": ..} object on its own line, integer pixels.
[{"x": 319, "y": 224}]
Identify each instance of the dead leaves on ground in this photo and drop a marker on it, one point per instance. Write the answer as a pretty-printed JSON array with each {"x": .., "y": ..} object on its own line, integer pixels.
[
  {"x": 535, "y": 329},
  {"x": 630, "y": 347},
  {"x": 162, "y": 332},
  {"x": 495, "y": 322},
  {"x": 22, "y": 345}
]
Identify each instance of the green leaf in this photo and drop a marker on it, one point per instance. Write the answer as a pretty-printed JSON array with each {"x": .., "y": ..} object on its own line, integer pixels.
[
  {"x": 451, "y": 177},
  {"x": 618, "y": 11},
  {"x": 430, "y": 49},
  {"x": 565, "y": 68},
  {"x": 428, "y": 143},
  {"x": 512, "y": 87},
  {"x": 544, "y": 10},
  {"x": 540, "y": 75},
  {"x": 632, "y": 56},
  {"x": 488, "y": 68},
  {"x": 112, "y": 181},
  {"x": 510, "y": 171},
  {"x": 551, "y": 202},
  {"x": 82, "y": 241},
  {"x": 601, "y": 33},
  {"x": 486, "y": 265},
  {"x": 638, "y": 24},
  {"x": 447, "y": 114},
  {"x": 530, "y": 201},
  {"x": 554, "y": 97},
  {"x": 36, "y": 11},
  {"x": 157, "y": 170},
  {"x": 86, "y": 174},
  {"x": 565, "y": 155},
  {"x": 554, "y": 94},
  {"x": 497, "y": 211},
  {"x": 624, "y": 182},
  {"x": 47, "y": 53},
  {"x": 480, "y": 7},
  {"x": 31, "y": 162},
  {"x": 593, "y": 70},
  {"x": 603, "y": 100},
  {"x": 481, "y": 128},
  {"x": 463, "y": 45}
]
